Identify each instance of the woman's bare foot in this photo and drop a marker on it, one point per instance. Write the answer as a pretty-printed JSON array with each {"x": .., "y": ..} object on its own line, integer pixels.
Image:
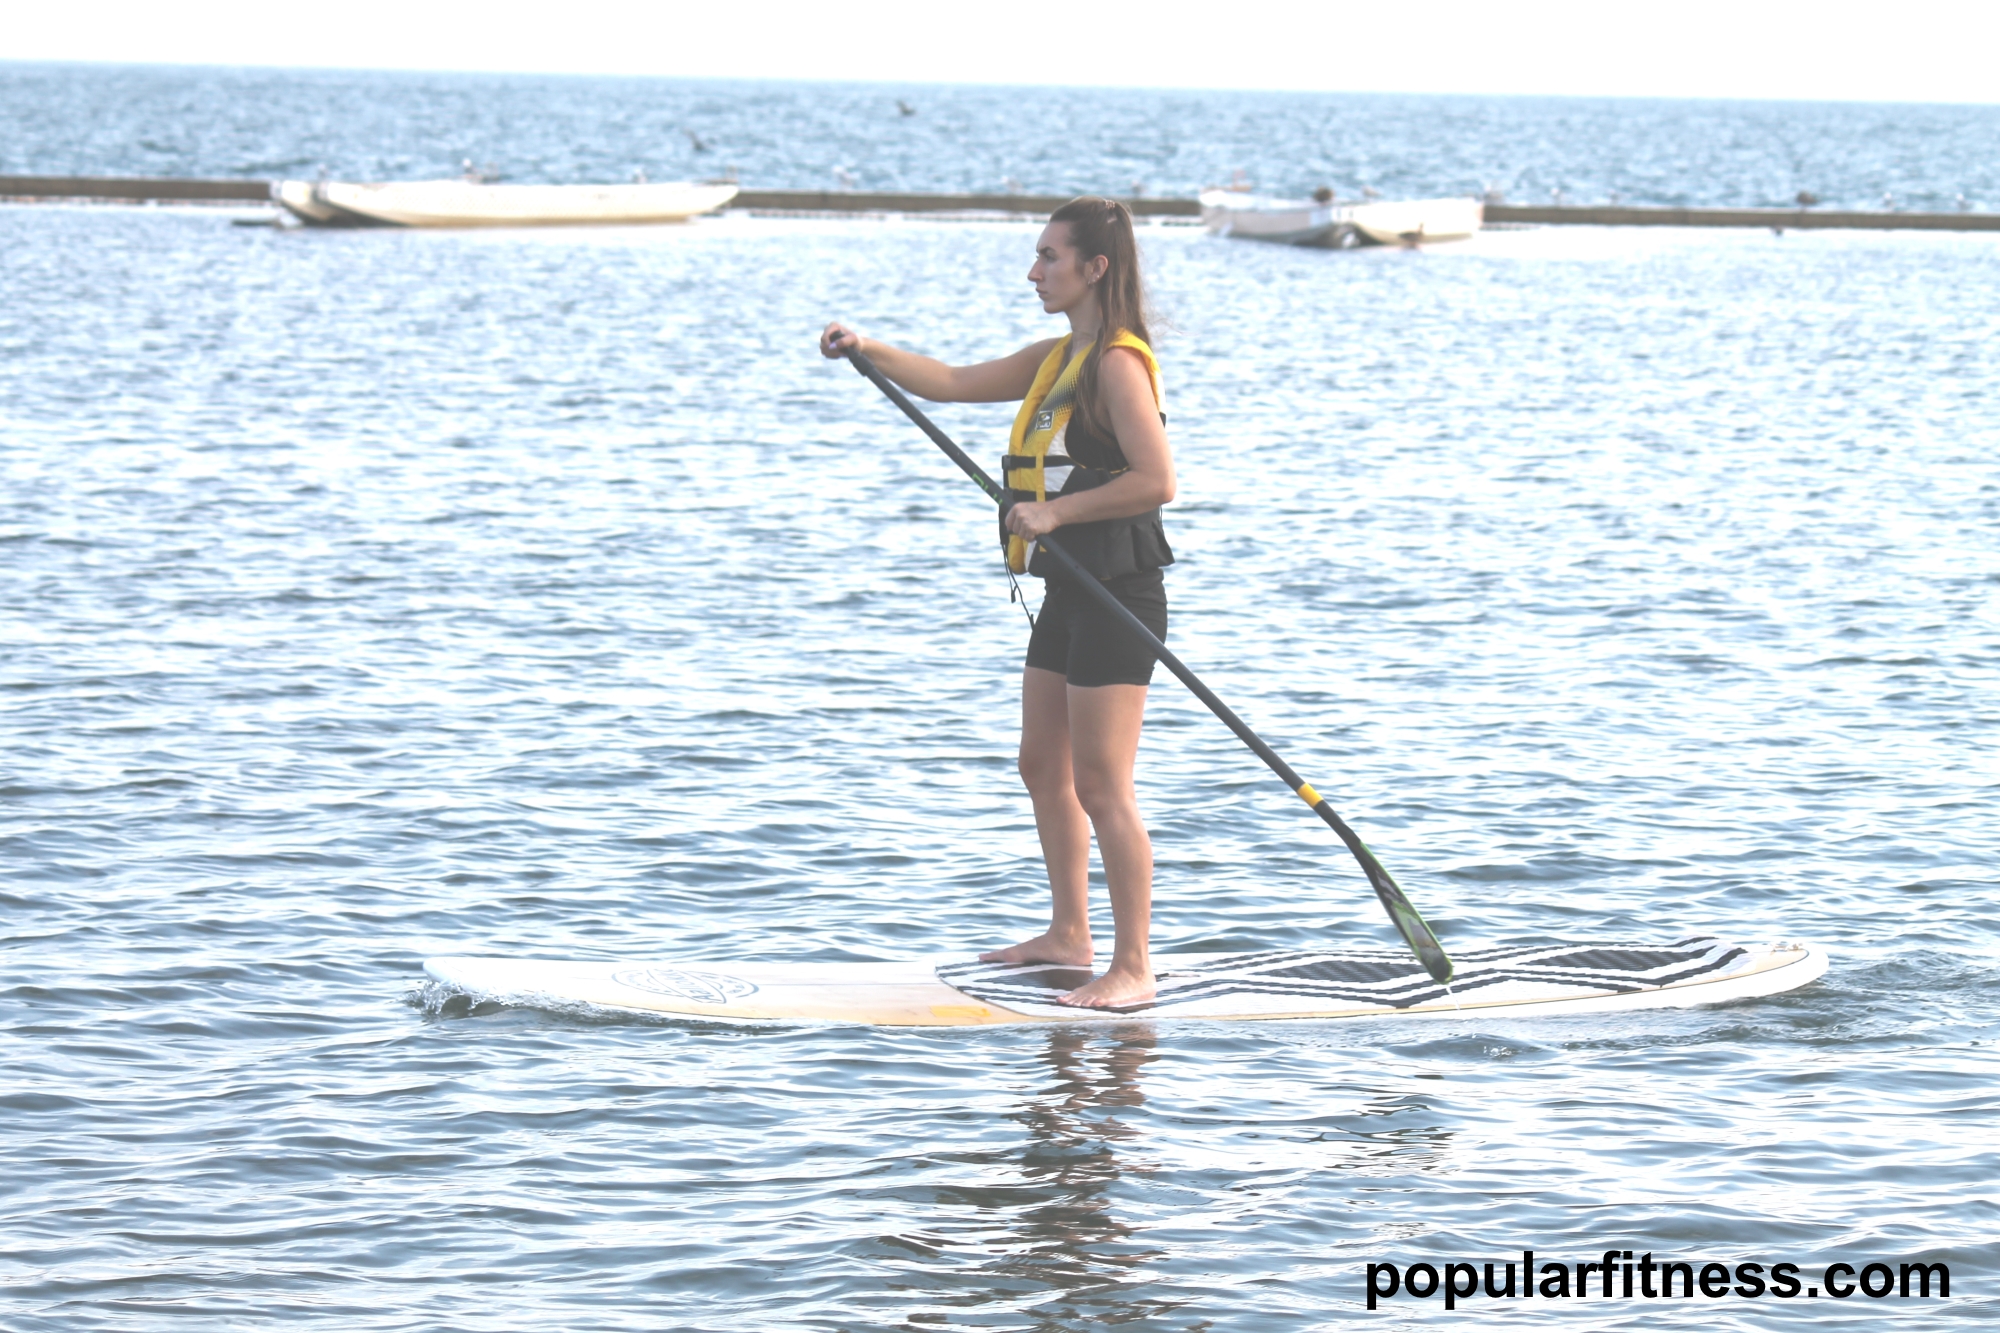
[
  {"x": 1048, "y": 947},
  {"x": 1111, "y": 990}
]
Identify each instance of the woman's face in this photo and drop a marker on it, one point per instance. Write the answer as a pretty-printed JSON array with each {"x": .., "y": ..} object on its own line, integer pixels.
[{"x": 1061, "y": 276}]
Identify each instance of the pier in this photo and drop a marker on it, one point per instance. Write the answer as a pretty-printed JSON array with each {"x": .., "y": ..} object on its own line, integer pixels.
[
  {"x": 144, "y": 189},
  {"x": 133, "y": 189},
  {"x": 1617, "y": 215}
]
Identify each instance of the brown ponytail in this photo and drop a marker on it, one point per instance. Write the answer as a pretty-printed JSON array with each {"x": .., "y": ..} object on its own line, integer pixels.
[{"x": 1104, "y": 227}]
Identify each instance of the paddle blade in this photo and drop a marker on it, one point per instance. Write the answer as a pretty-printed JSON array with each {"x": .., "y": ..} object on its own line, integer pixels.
[{"x": 1408, "y": 922}]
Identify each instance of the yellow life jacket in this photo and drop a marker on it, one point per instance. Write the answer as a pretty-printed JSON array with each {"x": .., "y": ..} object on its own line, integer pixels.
[{"x": 1036, "y": 465}]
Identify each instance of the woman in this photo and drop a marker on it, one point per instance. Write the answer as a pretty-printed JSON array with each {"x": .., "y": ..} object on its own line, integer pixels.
[{"x": 1088, "y": 458}]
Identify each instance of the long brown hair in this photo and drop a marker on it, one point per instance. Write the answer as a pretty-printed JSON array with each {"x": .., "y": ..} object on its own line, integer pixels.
[{"x": 1104, "y": 227}]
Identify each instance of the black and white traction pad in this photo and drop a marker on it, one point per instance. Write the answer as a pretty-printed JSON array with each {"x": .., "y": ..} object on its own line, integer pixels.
[{"x": 1363, "y": 980}]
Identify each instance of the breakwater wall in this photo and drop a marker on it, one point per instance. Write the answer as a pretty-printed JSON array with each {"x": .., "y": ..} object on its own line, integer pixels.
[
  {"x": 132, "y": 189},
  {"x": 1613, "y": 215},
  {"x": 860, "y": 201}
]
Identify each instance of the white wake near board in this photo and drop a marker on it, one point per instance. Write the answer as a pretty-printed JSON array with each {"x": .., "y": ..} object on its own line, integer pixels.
[{"x": 1511, "y": 981}]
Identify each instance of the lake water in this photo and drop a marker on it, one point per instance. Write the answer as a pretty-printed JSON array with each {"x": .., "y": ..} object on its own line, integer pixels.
[
  {"x": 369, "y": 596},
  {"x": 111, "y": 120}
]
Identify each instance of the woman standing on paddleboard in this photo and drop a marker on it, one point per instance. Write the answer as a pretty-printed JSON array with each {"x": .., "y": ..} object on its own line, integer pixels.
[{"x": 1088, "y": 457}]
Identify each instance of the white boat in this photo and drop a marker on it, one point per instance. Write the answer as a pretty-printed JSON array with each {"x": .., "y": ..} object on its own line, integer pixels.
[
  {"x": 1258, "y": 217},
  {"x": 471, "y": 203},
  {"x": 1323, "y": 222},
  {"x": 1418, "y": 221}
]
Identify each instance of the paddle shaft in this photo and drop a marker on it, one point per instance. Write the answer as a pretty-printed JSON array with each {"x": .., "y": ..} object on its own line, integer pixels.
[{"x": 1401, "y": 912}]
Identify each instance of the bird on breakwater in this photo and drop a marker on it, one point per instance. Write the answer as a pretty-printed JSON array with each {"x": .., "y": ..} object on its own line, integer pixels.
[{"x": 1807, "y": 198}]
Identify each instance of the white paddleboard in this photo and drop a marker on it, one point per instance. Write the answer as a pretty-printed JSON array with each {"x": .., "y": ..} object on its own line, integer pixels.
[{"x": 1495, "y": 982}]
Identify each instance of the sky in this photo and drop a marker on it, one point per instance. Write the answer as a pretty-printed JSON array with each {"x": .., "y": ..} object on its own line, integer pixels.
[{"x": 1834, "y": 49}]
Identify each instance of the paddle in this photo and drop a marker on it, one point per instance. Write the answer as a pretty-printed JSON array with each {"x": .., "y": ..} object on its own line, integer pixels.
[{"x": 1410, "y": 925}]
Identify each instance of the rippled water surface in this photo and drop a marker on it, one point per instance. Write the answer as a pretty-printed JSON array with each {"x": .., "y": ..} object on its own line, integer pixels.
[
  {"x": 374, "y": 595},
  {"x": 265, "y": 123}
]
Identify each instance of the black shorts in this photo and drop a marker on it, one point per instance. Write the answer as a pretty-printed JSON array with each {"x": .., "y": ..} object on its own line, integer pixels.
[{"x": 1077, "y": 638}]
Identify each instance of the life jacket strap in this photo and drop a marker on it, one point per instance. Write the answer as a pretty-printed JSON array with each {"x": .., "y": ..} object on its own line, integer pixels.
[{"x": 1026, "y": 463}]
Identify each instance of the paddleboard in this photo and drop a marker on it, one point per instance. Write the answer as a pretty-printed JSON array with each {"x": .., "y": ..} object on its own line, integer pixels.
[{"x": 1511, "y": 981}]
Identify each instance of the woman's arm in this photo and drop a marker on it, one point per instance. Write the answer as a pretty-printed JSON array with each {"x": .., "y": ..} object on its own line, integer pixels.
[
  {"x": 1126, "y": 391},
  {"x": 1003, "y": 381}
]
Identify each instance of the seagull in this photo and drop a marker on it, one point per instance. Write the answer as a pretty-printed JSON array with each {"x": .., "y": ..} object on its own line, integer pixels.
[
  {"x": 905, "y": 107},
  {"x": 695, "y": 141},
  {"x": 1807, "y": 198}
]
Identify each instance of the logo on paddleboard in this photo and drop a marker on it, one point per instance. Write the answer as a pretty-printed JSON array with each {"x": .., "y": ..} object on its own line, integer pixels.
[{"x": 701, "y": 987}]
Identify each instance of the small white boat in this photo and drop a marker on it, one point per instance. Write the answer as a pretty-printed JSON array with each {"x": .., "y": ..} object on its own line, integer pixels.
[
  {"x": 1418, "y": 221},
  {"x": 471, "y": 203},
  {"x": 1258, "y": 217},
  {"x": 1321, "y": 221}
]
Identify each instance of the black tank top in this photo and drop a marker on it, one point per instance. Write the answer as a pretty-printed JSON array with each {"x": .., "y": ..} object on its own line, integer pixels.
[{"x": 1111, "y": 547}]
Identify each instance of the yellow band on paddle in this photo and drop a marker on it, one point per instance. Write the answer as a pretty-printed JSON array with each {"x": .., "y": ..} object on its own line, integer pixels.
[{"x": 1307, "y": 794}]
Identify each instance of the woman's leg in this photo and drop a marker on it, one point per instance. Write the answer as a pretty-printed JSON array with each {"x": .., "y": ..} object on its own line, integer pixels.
[
  {"x": 1059, "y": 819},
  {"x": 1103, "y": 734}
]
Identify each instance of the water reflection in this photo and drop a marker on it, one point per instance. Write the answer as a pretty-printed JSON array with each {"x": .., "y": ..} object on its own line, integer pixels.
[
  {"x": 1067, "y": 1234},
  {"x": 1074, "y": 1122}
]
